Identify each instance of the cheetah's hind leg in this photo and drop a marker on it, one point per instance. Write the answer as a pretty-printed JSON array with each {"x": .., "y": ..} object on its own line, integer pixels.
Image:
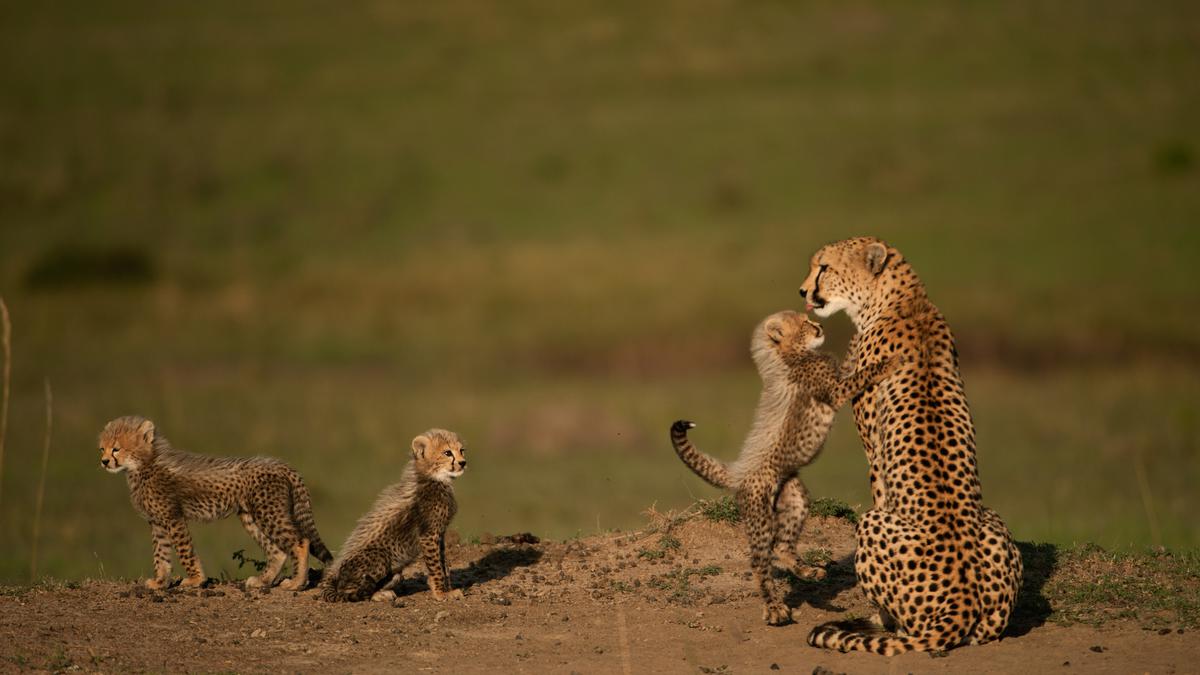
[
  {"x": 275, "y": 555},
  {"x": 791, "y": 510}
]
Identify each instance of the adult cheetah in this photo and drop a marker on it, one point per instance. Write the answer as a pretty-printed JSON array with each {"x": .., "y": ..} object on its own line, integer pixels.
[{"x": 941, "y": 568}]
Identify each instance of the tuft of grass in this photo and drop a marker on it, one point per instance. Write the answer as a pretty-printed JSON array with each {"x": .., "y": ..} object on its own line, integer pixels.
[
  {"x": 817, "y": 557},
  {"x": 678, "y": 585},
  {"x": 667, "y": 542},
  {"x": 723, "y": 510},
  {"x": 834, "y": 508}
]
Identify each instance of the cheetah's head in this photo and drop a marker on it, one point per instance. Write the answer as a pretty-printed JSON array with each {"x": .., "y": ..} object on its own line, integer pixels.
[
  {"x": 784, "y": 333},
  {"x": 846, "y": 275},
  {"x": 440, "y": 455},
  {"x": 126, "y": 443}
]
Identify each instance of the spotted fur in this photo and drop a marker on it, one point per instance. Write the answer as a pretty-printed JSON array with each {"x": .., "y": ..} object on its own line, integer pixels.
[
  {"x": 801, "y": 393},
  {"x": 409, "y": 520},
  {"x": 942, "y": 569},
  {"x": 169, "y": 487}
]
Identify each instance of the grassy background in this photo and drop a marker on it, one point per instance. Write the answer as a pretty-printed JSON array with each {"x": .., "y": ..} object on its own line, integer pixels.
[{"x": 313, "y": 232}]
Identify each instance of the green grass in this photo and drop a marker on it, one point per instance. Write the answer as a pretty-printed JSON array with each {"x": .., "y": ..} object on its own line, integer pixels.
[
  {"x": 1157, "y": 588},
  {"x": 551, "y": 229}
]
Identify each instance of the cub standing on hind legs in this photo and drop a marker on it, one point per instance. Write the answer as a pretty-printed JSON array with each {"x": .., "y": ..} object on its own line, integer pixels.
[
  {"x": 409, "y": 519},
  {"x": 170, "y": 487},
  {"x": 801, "y": 393},
  {"x": 941, "y": 568}
]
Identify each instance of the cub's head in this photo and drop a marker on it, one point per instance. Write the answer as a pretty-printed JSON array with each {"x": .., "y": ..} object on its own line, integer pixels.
[
  {"x": 846, "y": 275},
  {"x": 782, "y": 334},
  {"x": 440, "y": 455},
  {"x": 126, "y": 443}
]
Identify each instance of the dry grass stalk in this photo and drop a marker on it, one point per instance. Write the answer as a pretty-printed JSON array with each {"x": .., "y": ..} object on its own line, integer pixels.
[{"x": 41, "y": 492}]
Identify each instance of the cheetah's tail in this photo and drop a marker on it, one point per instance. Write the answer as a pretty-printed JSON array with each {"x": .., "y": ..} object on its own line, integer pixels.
[
  {"x": 302, "y": 511},
  {"x": 863, "y": 636},
  {"x": 708, "y": 468}
]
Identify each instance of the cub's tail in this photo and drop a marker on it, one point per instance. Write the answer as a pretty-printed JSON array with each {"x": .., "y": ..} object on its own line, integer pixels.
[
  {"x": 302, "y": 512},
  {"x": 864, "y": 636},
  {"x": 711, "y": 470}
]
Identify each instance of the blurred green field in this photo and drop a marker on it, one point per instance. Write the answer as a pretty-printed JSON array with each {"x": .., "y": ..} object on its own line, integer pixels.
[{"x": 280, "y": 229}]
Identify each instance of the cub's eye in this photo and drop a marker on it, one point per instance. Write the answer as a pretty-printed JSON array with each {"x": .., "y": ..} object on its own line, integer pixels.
[
  {"x": 116, "y": 450},
  {"x": 448, "y": 453}
]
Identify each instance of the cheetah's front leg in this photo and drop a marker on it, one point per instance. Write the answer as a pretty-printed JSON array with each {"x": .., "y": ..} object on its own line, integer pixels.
[
  {"x": 182, "y": 539},
  {"x": 162, "y": 558},
  {"x": 433, "y": 554}
]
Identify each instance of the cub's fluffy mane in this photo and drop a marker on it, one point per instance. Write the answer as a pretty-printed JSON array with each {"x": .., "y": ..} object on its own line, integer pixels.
[{"x": 391, "y": 504}]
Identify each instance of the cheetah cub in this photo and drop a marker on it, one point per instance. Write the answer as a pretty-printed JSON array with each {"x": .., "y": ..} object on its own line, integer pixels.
[
  {"x": 801, "y": 392},
  {"x": 409, "y": 519},
  {"x": 169, "y": 487}
]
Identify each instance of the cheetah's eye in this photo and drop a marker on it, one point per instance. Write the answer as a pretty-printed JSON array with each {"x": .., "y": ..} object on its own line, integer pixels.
[
  {"x": 115, "y": 450},
  {"x": 448, "y": 453}
]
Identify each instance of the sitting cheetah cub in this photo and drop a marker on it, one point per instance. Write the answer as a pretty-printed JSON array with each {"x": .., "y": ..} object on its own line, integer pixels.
[
  {"x": 170, "y": 487},
  {"x": 409, "y": 519},
  {"x": 801, "y": 393}
]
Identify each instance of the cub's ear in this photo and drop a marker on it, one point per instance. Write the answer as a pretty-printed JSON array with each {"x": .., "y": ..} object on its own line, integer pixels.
[
  {"x": 774, "y": 330},
  {"x": 146, "y": 430},
  {"x": 419, "y": 445},
  {"x": 877, "y": 257}
]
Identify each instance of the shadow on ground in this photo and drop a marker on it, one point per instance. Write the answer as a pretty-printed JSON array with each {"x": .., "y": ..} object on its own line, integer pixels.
[
  {"x": 497, "y": 564},
  {"x": 820, "y": 594},
  {"x": 1032, "y": 606}
]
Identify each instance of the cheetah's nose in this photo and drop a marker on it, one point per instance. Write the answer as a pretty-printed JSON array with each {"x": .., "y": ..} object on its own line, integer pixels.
[
  {"x": 803, "y": 293},
  {"x": 104, "y": 462},
  {"x": 462, "y": 463}
]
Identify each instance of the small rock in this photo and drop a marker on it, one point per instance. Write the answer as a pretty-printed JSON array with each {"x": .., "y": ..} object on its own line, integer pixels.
[
  {"x": 1096, "y": 648},
  {"x": 258, "y": 633},
  {"x": 1066, "y": 663},
  {"x": 774, "y": 666},
  {"x": 441, "y": 616},
  {"x": 1164, "y": 631}
]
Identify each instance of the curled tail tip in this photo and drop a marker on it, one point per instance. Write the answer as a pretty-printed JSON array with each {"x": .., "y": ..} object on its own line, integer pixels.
[{"x": 681, "y": 426}]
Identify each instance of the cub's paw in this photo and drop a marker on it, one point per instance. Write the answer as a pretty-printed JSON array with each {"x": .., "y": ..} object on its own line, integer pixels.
[
  {"x": 455, "y": 594},
  {"x": 294, "y": 584},
  {"x": 256, "y": 582},
  {"x": 158, "y": 584},
  {"x": 194, "y": 582},
  {"x": 809, "y": 572},
  {"x": 777, "y": 614},
  {"x": 384, "y": 596}
]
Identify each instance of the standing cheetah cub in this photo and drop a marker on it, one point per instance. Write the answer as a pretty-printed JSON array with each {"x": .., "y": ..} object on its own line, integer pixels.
[
  {"x": 409, "y": 519},
  {"x": 801, "y": 392},
  {"x": 170, "y": 487}
]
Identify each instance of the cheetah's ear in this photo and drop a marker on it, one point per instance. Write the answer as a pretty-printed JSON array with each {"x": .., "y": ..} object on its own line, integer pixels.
[
  {"x": 419, "y": 445},
  {"x": 774, "y": 331},
  {"x": 146, "y": 430},
  {"x": 877, "y": 257}
]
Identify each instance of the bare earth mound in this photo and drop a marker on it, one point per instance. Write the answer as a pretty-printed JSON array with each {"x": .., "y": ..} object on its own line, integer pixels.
[{"x": 676, "y": 597}]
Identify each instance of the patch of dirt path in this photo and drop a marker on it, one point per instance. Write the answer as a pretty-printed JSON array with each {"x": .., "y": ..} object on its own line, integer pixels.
[{"x": 677, "y": 598}]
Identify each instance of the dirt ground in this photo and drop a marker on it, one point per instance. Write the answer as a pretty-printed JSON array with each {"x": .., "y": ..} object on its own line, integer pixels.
[{"x": 672, "y": 598}]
